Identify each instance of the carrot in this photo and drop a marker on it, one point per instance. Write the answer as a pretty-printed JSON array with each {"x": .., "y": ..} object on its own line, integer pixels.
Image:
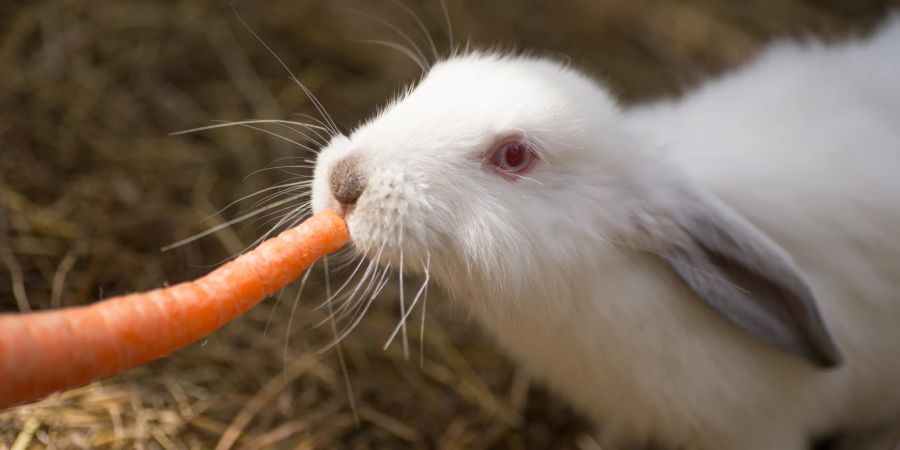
[{"x": 49, "y": 351}]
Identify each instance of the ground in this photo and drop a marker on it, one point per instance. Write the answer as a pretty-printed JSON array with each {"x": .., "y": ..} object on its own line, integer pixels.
[{"x": 92, "y": 186}]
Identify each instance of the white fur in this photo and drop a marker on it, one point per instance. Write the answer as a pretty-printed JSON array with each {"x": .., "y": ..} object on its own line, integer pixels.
[{"x": 804, "y": 143}]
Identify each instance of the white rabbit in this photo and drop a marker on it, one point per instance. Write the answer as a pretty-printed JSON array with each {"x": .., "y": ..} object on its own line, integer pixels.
[{"x": 719, "y": 271}]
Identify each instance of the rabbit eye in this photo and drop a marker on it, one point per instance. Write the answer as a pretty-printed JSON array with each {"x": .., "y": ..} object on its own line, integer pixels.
[{"x": 513, "y": 158}]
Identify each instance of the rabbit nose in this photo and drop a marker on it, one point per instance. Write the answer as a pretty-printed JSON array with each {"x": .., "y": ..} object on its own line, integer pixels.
[{"x": 347, "y": 182}]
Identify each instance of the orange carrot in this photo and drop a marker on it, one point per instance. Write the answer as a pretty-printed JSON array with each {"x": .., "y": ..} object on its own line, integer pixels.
[{"x": 49, "y": 351}]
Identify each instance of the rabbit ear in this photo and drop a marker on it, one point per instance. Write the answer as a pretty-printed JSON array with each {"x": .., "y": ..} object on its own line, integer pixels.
[{"x": 748, "y": 279}]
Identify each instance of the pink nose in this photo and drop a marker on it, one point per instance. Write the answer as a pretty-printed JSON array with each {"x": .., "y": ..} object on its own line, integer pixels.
[{"x": 347, "y": 182}]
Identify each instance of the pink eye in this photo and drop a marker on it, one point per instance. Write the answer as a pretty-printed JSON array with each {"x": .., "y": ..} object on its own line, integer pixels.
[{"x": 514, "y": 158}]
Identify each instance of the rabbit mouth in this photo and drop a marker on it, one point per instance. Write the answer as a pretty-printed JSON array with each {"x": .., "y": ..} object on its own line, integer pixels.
[
  {"x": 383, "y": 255},
  {"x": 385, "y": 238},
  {"x": 389, "y": 223}
]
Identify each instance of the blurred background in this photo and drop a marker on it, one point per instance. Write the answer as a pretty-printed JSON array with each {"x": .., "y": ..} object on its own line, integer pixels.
[{"x": 92, "y": 186}]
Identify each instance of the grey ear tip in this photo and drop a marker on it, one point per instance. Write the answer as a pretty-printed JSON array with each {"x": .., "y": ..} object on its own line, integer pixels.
[
  {"x": 825, "y": 352},
  {"x": 828, "y": 359},
  {"x": 831, "y": 364}
]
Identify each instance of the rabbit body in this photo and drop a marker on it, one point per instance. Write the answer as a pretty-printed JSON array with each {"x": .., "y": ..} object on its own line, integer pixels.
[
  {"x": 799, "y": 151},
  {"x": 805, "y": 143}
]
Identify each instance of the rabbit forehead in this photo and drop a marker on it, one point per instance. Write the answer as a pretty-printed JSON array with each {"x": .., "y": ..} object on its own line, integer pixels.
[{"x": 471, "y": 100}]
